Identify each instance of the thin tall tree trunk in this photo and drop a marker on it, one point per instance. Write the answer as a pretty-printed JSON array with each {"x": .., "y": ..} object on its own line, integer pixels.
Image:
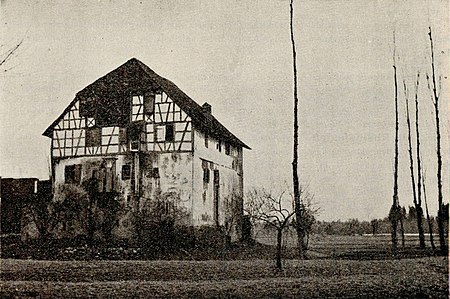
[
  {"x": 295, "y": 178},
  {"x": 419, "y": 209},
  {"x": 430, "y": 224},
  {"x": 441, "y": 215},
  {"x": 402, "y": 228},
  {"x": 411, "y": 160},
  {"x": 395, "y": 202}
]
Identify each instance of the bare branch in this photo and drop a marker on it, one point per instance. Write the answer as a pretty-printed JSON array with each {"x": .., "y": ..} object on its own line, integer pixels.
[{"x": 11, "y": 52}]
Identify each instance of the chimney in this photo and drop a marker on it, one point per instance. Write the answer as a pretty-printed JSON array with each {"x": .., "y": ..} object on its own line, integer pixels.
[{"x": 206, "y": 108}]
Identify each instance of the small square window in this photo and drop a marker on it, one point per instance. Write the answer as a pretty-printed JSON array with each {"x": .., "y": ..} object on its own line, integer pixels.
[
  {"x": 126, "y": 172},
  {"x": 90, "y": 122}
]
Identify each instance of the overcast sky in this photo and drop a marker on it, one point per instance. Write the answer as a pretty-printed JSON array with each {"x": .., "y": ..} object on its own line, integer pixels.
[{"x": 236, "y": 55}]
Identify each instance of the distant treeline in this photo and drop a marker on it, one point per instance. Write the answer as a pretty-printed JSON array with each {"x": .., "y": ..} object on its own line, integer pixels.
[{"x": 375, "y": 226}]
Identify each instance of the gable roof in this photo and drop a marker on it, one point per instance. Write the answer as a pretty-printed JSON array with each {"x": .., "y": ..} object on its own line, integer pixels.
[{"x": 133, "y": 77}]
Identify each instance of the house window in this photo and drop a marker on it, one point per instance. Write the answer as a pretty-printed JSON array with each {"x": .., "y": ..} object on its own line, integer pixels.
[
  {"x": 126, "y": 172},
  {"x": 72, "y": 174},
  {"x": 170, "y": 132},
  {"x": 205, "y": 167},
  {"x": 160, "y": 133},
  {"x": 149, "y": 103},
  {"x": 205, "y": 175},
  {"x": 227, "y": 149},
  {"x": 206, "y": 140},
  {"x": 93, "y": 136}
]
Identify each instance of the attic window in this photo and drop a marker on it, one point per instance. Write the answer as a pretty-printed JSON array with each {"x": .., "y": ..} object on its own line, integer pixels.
[
  {"x": 93, "y": 136},
  {"x": 72, "y": 174},
  {"x": 149, "y": 103}
]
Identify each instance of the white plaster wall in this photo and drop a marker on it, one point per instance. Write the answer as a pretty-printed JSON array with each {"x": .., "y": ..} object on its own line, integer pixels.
[
  {"x": 175, "y": 170},
  {"x": 231, "y": 184}
]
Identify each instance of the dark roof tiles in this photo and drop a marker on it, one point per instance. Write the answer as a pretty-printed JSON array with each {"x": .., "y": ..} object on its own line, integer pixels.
[{"x": 134, "y": 76}]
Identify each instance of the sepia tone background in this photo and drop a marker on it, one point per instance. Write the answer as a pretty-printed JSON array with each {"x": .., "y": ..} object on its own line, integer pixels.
[{"x": 236, "y": 55}]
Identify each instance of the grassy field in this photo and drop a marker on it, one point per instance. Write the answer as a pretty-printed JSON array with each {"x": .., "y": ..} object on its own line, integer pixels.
[
  {"x": 414, "y": 278},
  {"x": 329, "y": 274},
  {"x": 351, "y": 246}
]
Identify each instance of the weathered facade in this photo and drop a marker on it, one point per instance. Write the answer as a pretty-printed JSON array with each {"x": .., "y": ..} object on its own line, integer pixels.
[{"x": 137, "y": 137}]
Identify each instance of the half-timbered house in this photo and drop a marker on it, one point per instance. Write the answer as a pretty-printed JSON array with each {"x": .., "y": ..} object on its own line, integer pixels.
[{"x": 139, "y": 137}]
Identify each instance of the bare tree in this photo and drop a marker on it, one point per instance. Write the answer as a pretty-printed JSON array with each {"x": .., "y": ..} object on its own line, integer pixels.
[
  {"x": 273, "y": 210},
  {"x": 394, "y": 213},
  {"x": 435, "y": 97},
  {"x": 295, "y": 177},
  {"x": 418, "y": 204},
  {"x": 411, "y": 167}
]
